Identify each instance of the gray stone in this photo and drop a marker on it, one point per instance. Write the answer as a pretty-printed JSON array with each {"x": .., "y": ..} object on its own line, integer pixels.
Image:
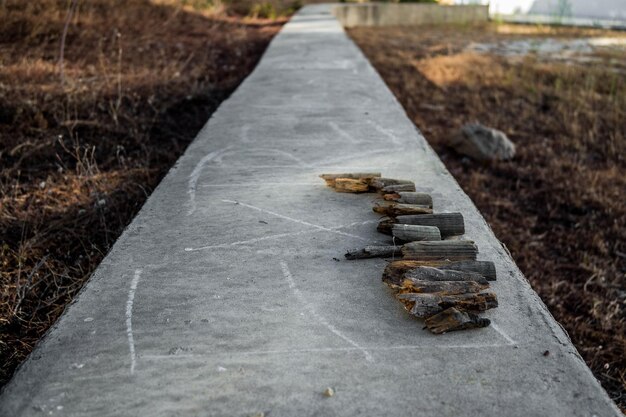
[
  {"x": 223, "y": 297},
  {"x": 482, "y": 143}
]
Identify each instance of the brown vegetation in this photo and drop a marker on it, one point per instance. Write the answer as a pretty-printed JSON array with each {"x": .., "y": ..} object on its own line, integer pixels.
[
  {"x": 84, "y": 140},
  {"x": 559, "y": 205}
]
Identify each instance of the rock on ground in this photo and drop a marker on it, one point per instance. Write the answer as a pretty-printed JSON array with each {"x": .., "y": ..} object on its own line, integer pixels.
[{"x": 483, "y": 143}]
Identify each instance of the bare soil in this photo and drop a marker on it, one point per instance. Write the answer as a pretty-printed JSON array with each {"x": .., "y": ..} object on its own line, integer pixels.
[
  {"x": 559, "y": 204},
  {"x": 83, "y": 145}
]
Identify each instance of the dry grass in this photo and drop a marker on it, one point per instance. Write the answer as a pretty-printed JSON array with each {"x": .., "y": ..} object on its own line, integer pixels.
[
  {"x": 79, "y": 153},
  {"x": 559, "y": 205}
]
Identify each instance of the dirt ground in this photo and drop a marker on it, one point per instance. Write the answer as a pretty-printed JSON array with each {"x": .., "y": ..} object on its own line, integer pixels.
[
  {"x": 84, "y": 139},
  {"x": 559, "y": 204}
]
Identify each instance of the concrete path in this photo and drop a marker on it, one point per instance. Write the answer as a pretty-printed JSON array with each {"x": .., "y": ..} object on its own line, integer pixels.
[{"x": 223, "y": 298}]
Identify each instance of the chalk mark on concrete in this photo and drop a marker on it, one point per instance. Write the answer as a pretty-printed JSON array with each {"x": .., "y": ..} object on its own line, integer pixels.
[
  {"x": 394, "y": 139},
  {"x": 195, "y": 175},
  {"x": 305, "y": 223},
  {"x": 503, "y": 334},
  {"x": 129, "y": 319},
  {"x": 276, "y": 236},
  {"x": 303, "y": 301},
  {"x": 342, "y": 132}
]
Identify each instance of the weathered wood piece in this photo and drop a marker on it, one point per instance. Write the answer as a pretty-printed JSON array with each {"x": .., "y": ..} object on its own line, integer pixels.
[
  {"x": 485, "y": 268},
  {"x": 395, "y": 188},
  {"x": 397, "y": 209},
  {"x": 374, "y": 252},
  {"x": 429, "y": 273},
  {"x": 453, "y": 250},
  {"x": 407, "y": 197},
  {"x": 453, "y": 319},
  {"x": 379, "y": 183},
  {"x": 426, "y": 305},
  {"x": 449, "y": 224},
  {"x": 330, "y": 178},
  {"x": 395, "y": 271},
  {"x": 413, "y": 232},
  {"x": 349, "y": 185},
  {"x": 413, "y": 285}
]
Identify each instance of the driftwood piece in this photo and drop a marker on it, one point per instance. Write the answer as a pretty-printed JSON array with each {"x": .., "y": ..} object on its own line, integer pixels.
[
  {"x": 413, "y": 285},
  {"x": 395, "y": 188},
  {"x": 395, "y": 271},
  {"x": 349, "y": 185},
  {"x": 452, "y": 319},
  {"x": 428, "y": 273},
  {"x": 374, "y": 252},
  {"x": 396, "y": 209},
  {"x": 449, "y": 224},
  {"x": 379, "y": 183},
  {"x": 407, "y": 197},
  {"x": 330, "y": 178},
  {"x": 413, "y": 232},
  {"x": 453, "y": 250},
  {"x": 426, "y": 305}
]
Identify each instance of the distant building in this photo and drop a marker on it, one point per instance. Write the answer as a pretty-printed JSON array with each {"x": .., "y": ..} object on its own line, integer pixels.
[{"x": 586, "y": 9}]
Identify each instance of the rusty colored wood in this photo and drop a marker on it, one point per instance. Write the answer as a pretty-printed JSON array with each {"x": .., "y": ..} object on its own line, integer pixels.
[
  {"x": 330, "y": 178},
  {"x": 426, "y": 305},
  {"x": 349, "y": 185},
  {"x": 453, "y": 319},
  {"x": 397, "y": 209},
  {"x": 414, "y": 285}
]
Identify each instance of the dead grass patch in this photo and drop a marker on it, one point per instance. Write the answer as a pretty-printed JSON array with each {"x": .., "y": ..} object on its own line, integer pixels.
[
  {"x": 80, "y": 152},
  {"x": 559, "y": 205}
]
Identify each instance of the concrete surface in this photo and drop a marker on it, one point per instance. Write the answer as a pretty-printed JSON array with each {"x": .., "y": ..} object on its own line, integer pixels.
[
  {"x": 407, "y": 14},
  {"x": 223, "y": 298}
]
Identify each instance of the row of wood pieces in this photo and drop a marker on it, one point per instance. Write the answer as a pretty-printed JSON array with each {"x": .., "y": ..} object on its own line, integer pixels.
[{"x": 436, "y": 279}]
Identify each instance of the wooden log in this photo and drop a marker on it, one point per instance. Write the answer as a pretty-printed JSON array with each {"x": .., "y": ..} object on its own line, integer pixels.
[
  {"x": 374, "y": 252},
  {"x": 426, "y": 305},
  {"x": 330, "y": 178},
  {"x": 485, "y": 268},
  {"x": 428, "y": 273},
  {"x": 407, "y": 197},
  {"x": 413, "y": 232},
  {"x": 349, "y": 185},
  {"x": 397, "y": 209},
  {"x": 379, "y": 183},
  {"x": 453, "y": 319},
  {"x": 453, "y": 250},
  {"x": 395, "y": 188},
  {"x": 395, "y": 271},
  {"x": 449, "y": 224},
  {"x": 413, "y": 285}
]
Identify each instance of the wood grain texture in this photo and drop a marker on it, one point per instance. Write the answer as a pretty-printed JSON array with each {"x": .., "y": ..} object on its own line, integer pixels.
[
  {"x": 398, "y": 187},
  {"x": 349, "y": 185},
  {"x": 396, "y": 209},
  {"x": 407, "y": 197},
  {"x": 453, "y": 250},
  {"x": 395, "y": 271},
  {"x": 449, "y": 224},
  {"x": 453, "y": 319},
  {"x": 330, "y": 178},
  {"x": 426, "y": 305},
  {"x": 413, "y": 285},
  {"x": 414, "y": 232},
  {"x": 379, "y": 183}
]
